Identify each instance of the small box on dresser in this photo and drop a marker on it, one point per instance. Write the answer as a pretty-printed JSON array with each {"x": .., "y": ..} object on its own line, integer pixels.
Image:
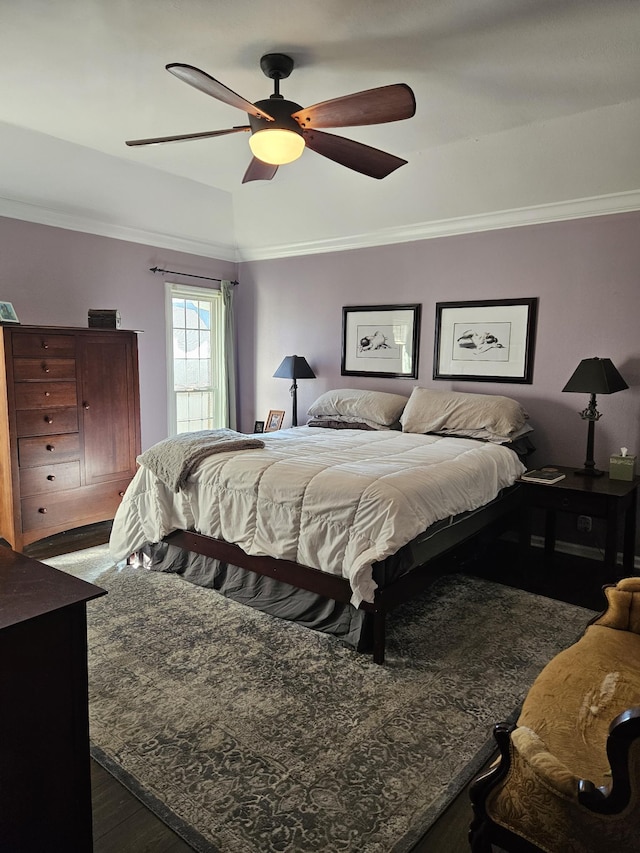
[{"x": 104, "y": 318}]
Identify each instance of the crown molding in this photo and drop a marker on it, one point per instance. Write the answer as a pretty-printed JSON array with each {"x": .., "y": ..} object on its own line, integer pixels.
[
  {"x": 604, "y": 205},
  {"x": 41, "y": 215}
]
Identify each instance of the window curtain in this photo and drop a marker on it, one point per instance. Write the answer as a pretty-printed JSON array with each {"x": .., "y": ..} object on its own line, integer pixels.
[{"x": 226, "y": 288}]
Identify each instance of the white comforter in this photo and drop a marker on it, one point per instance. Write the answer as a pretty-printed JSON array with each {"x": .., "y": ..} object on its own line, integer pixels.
[{"x": 336, "y": 500}]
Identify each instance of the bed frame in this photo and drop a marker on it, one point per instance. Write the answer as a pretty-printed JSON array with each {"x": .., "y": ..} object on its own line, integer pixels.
[{"x": 337, "y": 588}]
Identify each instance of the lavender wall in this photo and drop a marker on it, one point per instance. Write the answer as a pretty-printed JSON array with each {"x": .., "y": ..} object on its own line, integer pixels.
[
  {"x": 584, "y": 272},
  {"x": 53, "y": 276}
]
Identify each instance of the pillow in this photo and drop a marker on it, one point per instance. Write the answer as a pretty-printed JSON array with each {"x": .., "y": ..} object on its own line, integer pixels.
[
  {"x": 337, "y": 422},
  {"x": 374, "y": 408},
  {"x": 455, "y": 412},
  {"x": 487, "y": 435}
]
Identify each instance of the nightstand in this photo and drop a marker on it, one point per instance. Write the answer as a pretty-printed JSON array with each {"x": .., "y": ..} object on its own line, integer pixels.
[{"x": 615, "y": 501}]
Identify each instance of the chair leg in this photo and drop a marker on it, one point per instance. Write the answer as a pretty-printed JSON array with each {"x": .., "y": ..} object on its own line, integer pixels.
[{"x": 480, "y": 829}]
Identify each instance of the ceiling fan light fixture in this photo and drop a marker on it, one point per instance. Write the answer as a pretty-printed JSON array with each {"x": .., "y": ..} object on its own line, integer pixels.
[{"x": 276, "y": 145}]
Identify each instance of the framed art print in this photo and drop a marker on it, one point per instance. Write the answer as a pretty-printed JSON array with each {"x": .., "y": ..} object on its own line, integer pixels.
[
  {"x": 490, "y": 340},
  {"x": 380, "y": 340},
  {"x": 7, "y": 313}
]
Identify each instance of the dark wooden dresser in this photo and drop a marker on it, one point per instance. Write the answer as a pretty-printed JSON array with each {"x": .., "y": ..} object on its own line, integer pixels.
[
  {"x": 45, "y": 784},
  {"x": 69, "y": 428}
]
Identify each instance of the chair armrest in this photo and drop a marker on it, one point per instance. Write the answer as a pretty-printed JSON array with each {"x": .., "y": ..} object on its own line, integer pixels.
[
  {"x": 552, "y": 772},
  {"x": 624, "y": 760}
]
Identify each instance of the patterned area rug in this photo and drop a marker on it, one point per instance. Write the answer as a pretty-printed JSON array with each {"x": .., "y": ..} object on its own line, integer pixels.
[{"x": 247, "y": 734}]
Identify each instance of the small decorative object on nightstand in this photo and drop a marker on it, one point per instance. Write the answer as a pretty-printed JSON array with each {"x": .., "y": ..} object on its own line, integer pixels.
[
  {"x": 594, "y": 376},
  {"x": 543, "y": 475},
  {"x": 622, "y": 467}
]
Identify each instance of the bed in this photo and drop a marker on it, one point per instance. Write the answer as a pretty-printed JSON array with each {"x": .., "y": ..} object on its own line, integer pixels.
[{"x": 335, "y": 523}]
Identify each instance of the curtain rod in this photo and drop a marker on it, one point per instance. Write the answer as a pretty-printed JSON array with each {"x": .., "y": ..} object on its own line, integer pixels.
[{"x": 190, "y": 274}]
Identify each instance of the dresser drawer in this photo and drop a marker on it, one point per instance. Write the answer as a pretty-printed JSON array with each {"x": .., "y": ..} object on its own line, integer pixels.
[
  {"x": 40, "y": 343},
  {"x": 48, "y": 450},
  {"x": 45, "y": 395},
  {"x": 49, "y": 478},
  {"x": 72, "y": 508},
  {"x": 46, "y": 421},
  {"x": 30, "y": 369}
]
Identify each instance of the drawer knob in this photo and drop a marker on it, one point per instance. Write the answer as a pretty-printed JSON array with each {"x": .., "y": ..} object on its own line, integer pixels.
[
  {"x": 86, "y": 405},
  {"x": 48, "y": 419},
  {"x": 45, "y": 368},
  {"x": 51, "y": 447},
  {"x": 45, "y": 345},
  {"x": 43, "y": 510},
  {"x": 51, "y": 477},
  {"x": 565, "y": 502}
]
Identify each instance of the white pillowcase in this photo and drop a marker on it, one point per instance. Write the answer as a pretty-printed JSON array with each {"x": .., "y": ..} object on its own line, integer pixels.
[
  {"x": 486, "y": 416},
  {"x": 374, "y": 408}
]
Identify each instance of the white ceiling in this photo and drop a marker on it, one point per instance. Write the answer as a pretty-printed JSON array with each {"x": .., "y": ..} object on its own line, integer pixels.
[{"x": 521, "y": 105}]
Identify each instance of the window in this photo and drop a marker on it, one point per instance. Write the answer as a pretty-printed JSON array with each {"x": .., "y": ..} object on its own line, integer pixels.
[{"x": 196, "y": 359}]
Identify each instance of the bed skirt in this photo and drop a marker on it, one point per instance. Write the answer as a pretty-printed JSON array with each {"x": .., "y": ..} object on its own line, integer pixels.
[{"x": 439, "y": 550}]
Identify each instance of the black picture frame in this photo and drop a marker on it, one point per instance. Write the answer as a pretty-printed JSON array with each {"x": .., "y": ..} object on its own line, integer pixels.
[
  {"x": 381, "y": 340},
  {"x": 486, "y": 340},
  {"x": 258, "y": 426}
]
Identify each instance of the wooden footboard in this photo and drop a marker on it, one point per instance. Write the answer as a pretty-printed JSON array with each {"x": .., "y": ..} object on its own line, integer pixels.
[
  {"x": 314, "y": 580},
  {"x": 302, "y": 577}
]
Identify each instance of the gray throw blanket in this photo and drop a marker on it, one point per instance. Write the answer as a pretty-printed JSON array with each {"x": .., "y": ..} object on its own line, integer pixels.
[{"x": 173, "y": 459}]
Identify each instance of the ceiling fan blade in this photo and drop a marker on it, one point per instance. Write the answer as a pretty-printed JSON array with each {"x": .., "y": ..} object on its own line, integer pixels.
[
  {"x": 207, "y": 134},
  {"x": 259, "y": 171},
  {"x": 201, "y": 80},
  {"x": 374, "y": 106},
  {"x": 354, "y": 155}
]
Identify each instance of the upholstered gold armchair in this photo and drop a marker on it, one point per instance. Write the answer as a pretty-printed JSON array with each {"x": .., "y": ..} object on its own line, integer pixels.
[{"x": 568, "y": 776}]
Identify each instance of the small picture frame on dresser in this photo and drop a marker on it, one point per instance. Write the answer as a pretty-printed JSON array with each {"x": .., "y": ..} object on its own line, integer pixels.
[{"x": 7, "y": 313}]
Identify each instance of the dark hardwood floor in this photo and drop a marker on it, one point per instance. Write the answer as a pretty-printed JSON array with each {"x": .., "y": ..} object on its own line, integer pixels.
[{"x": 123, "y": 825}]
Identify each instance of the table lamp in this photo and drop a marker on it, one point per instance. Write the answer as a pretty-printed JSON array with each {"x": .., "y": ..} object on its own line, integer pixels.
[
  {"x": 294, "y": 367},
  {"x": 594, "y": 376}
]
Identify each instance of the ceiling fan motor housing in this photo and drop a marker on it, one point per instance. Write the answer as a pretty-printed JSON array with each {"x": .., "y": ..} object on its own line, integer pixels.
[{"x": 281, "y": 110}]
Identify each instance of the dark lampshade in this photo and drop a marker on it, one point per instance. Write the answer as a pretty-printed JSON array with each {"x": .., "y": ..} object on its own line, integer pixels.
[
  {"x": 596, "y": 376},
  {"x": 294, "y": 367}
]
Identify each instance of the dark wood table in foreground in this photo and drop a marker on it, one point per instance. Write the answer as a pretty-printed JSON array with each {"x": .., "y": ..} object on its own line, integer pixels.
[{"x": 45, "y": 783}]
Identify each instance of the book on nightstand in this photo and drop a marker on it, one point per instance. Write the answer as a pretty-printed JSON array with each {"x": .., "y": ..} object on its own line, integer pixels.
[{"x": 543, "y": 475}]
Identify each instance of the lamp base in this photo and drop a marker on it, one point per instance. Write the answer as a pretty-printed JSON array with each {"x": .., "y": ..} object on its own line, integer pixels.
[{"x": 589, "y": 472}]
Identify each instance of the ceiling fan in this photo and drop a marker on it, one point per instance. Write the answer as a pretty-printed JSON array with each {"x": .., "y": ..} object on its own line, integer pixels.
[{"x": 281, "y": 130}]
